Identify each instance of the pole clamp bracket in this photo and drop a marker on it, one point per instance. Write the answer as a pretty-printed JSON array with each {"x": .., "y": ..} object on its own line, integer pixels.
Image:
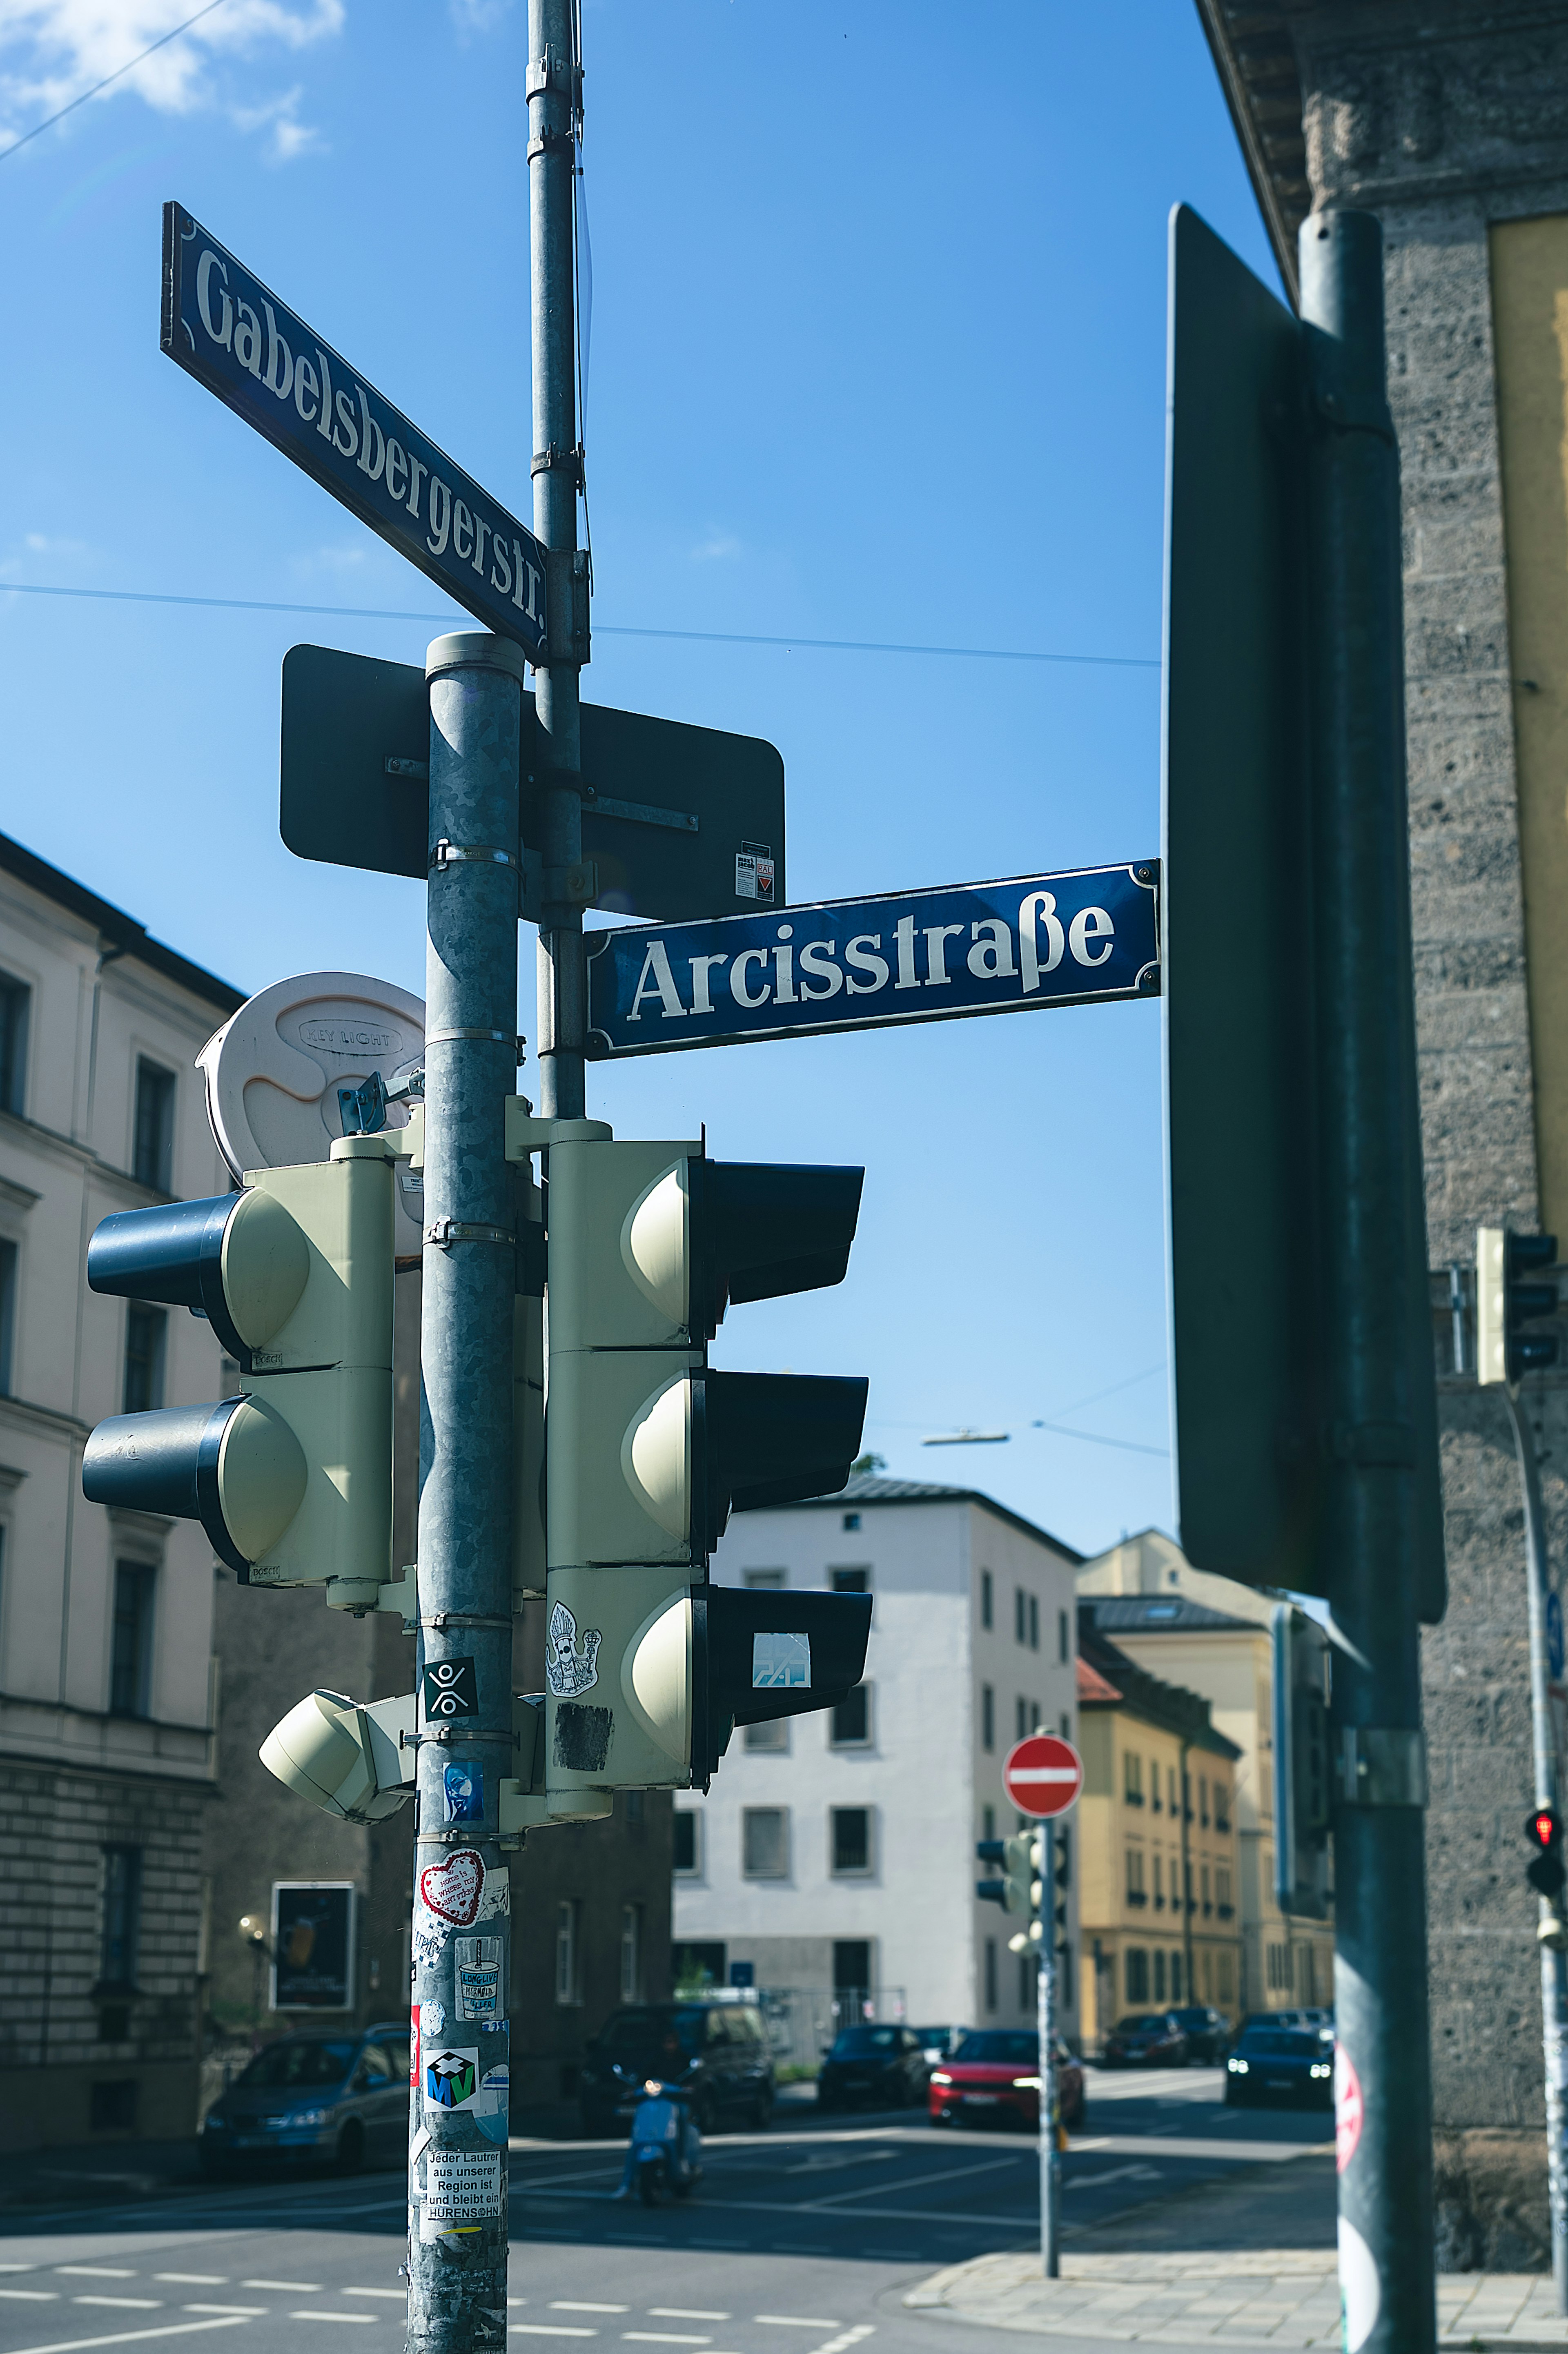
[
  {"x": 487, "y": 1037},
  {"x": 552, "y": 142},
  {"x": 467, "y": 1619},
  {"x": 469, "y": 853},
  {"x": 445, "y": 1737},
  {"x": 566, "y": 606},
  {"x": 1381, "y": 1765},
  {"x": 553, "y": 459},
  {"x": 443, "y": 1233},
  {"x": 552, "y": 71},
  {"x": 570, "y": 887}
]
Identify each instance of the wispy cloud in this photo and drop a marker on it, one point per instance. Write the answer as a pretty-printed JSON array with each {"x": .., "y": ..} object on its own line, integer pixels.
[
  {"x": 53, "y": 50},
  {"x": 716, "y": 548}
]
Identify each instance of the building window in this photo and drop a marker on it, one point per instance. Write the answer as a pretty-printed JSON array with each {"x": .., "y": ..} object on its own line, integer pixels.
[
  {"x": 851, "y": 1977},
  {"x": 632, "y": 1953},
  {"x": 153, "y": 1145},
  {"x": 765, "y": 1842},
  {"x": 987, "y": 1717},
  {"x": 1131, "y": 1778},
  {"x": 1158, "y": 1885},
  {"x": 567, "y": 1992},
  {"x": 1063, "y": 1639},
  {"x": 1175, "y": 1977},
  {"x": 1187, "y": 1887},
  {"x": 988, "y": 1598},
  {"x": 689, "y": 1841},
  {"x": 1135, "y": 1962},
  {"x": 1171, "y": 1788},
  {"x": 7, "y": 1317},
  {"x": 121, "y": 1919},
  {"x": 763, "y": 1580},
  {"x": 1222, "y": 1808},
  {"x": 850, "y": 1581},
  {"x": 1222, "y": 1905},
  {"x": 988, "y": 1822},
  {"x": 990, "y": 1973},
  {"x": 1028, "y": 1974},
  {"x": 1204, "y": 1800},
  {"x": 1034, "y": 1622},
  {"x": 1160, "y": 1974},
  {"x": 1204, "y": 1883},
  {"x": 1136, "y": 1892},
  {"x": 1278, "y": 1960},
  {"x": 1066, "y": 1724},
  {"x": 15, "y": 999},
  {"x": 774, "y": 1734},
  {"x": 851, "y": 1724},
  {"x": 1224, "y": 1983},
  {"x": 1064, "y": 1977},
  {"x": 852, "y": 1520},
  {"x": 1019, "y": 1717},
  {"x": 146, "y": 1332},
  {"x": 1020, "y": 1614},
  {"x": 852, "y": 1838},
  {"x": 131, "y": 1641}
]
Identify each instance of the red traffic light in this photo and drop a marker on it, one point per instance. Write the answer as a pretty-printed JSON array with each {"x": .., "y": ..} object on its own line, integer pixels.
[{"x": 1544, "y": 1827}]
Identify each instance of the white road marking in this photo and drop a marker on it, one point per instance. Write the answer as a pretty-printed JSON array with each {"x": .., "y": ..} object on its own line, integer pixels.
[
  {"x": 307, "y": 2314},
  {"x": 299, "y": 2288},
  {"x": 581, "y": 2305},
  {"x": 685, "y": 2313},
  {"x": 401, "y": 2295},
  {"x": 246, "y": 2312},
  {"x": 196, "y": 2280},
  {"x": 662, "y": 2337},
  {"x": 850, "y": 2337},
  {"x": 129, "y": 2336},
  {"x": 140, "y": 2304},
  {"x": 100, "y": 2271},
  {"x": 547, "y": 2329},
  {"x": 36, "y": 2296},
  {"x": 795, "y": 2321}
]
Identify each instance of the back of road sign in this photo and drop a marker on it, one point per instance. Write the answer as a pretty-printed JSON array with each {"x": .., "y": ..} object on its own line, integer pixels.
[
  {"x": 682, "y": 823},
  {"x": 1251, "y": 1446}
]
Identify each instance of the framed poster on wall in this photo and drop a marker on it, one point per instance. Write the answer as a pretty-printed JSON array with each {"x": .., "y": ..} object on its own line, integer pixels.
[{"x": 313, "y": 1945}]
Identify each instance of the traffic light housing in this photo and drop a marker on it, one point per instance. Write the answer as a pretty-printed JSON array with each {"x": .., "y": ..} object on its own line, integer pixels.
[
  {"x": 1506, "y": 1300},
  {"x": 292, "y": 1478},
  {"x": 647, "y": 1451},
  {"x": 1302, "y": 1795},
  {"x": 1062, "y": 1878},
  {"x": 1545, "y": 1870}
]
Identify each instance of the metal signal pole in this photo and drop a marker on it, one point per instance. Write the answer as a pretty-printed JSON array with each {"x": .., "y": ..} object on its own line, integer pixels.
[
  {"x": 1377, "y": 1345},
  {"x": 555, "y": 108},
  {"x": 1050, "y": 2107}
]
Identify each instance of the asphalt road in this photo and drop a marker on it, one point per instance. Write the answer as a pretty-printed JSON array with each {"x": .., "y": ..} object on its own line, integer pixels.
[{"x": 799, "y": 2240}]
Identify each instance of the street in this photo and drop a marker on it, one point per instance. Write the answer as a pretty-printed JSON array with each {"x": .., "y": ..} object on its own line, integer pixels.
[{"x": 805, "y": 2236}]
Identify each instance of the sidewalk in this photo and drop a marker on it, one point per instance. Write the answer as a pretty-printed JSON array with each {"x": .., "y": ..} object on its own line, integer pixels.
[{"x": 1260, "y": 2296}]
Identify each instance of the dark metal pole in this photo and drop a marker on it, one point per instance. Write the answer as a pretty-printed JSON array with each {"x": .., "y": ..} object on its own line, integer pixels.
[
  {"x": 461, "y": 1935},
  {"x": 1372, "y": 1249},
  {"x": 1554, "y": 1959},
  {"x": 555, "y": 99},
  {"x": 1050, "y": 2105}
]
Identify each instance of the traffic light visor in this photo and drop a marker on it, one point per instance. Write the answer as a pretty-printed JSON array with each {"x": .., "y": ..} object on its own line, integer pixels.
[
  {"x": 240, "y": 1260},
  {"x": 760, "y": 1654},
  {"x": 236, "y": 1466},
  {"x": 762, "y": 1230},
  {"x": 773, "y": 1438}
]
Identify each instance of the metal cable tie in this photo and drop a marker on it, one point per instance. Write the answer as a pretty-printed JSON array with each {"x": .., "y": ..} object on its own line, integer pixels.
[
  {"x": 465, "y": 1619},
  {"x": 444, "y": 1735},
  {"x": 444, "y": 1232},
  {"x": 500, "y": 1037},
  {"x": 475, "y": 854}
]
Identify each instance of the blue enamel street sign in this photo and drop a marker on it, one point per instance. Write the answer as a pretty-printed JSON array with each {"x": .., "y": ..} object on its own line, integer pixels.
[
  {"x": 231, "y": 332},
  {"x": 1074, "y": 939}
]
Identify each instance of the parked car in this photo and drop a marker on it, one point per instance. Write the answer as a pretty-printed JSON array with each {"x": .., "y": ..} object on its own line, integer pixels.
[
  {"x": 1146, "y": 2039},
  {"x": 723, "y": 2045},
  {"x": 993, "y": 2078},
  {"x": 321, "y": 2097},
  {"x": 873, "y": 2067},
  {"x": 937, "y": 2041},
  {"x": 1208, "y": 2033},
  {"x": 1291, "y": 2065}
]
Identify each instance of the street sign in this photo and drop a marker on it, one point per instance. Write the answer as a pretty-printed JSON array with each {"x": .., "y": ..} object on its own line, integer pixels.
[
  {"x": 1074, "y": 939},
  {"x": 233, "y": 334},
  {"x": 1042, "y": 1774},
  {"x": 680, "y": 821}
]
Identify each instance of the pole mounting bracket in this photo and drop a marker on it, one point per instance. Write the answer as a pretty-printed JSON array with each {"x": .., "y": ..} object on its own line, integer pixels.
[
  {"x": 553, "y": 459},
  {"x": 1381, "y": 1765},
  {"x": 469, "y": 853},
  {"x": 443, "y": 1233}
]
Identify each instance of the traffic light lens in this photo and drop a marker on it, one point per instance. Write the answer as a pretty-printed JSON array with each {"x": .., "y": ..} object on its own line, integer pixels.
[{"x": 1543, "y": 1827}]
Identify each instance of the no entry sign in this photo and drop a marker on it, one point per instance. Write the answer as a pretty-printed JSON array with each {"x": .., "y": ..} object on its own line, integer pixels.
[{"x": 1042, "y": 1775}]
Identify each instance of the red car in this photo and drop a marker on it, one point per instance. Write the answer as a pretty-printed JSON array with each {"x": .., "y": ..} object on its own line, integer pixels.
[{"x": 993, "y": 2078}]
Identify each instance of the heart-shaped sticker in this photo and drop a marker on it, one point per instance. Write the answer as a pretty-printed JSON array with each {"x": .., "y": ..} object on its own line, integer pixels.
[{"x": 453, "y": 1889}]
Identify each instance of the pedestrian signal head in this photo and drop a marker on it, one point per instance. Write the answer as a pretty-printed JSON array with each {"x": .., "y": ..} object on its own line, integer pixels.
[{"x": 1545, "y": 1872}]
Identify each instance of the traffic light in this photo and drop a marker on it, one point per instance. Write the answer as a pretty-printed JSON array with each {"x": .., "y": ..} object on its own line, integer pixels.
[
  {"x": 1018, "y": 1890},
  {"x": 1506, "y": 1299},
  {"x": 647, "y": 1452},
  {"x": 348, "y": 1759},
  {"x": 292, "y": 1478},
  {"x": 1301, "y": 1791},
  {"x": 1062, "y": 1876},
  {"x": 1545, "y": 1872}
]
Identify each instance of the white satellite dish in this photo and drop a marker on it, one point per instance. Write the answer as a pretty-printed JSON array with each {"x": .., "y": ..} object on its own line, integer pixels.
[{"x": 277, "y": 1070}]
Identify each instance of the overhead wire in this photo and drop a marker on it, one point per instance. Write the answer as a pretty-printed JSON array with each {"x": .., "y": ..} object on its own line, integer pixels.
[{"x": 59, "y": 114}]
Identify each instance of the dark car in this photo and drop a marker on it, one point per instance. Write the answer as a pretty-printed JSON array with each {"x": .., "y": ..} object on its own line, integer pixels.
[
  {"x": 720, "y": 2049},
  {"x": 1207, "y": 2031},
  {"x": 993, "y": 2078},
  {"x": 328, "y": 2096},
  {"x": 936, "y": 2042},
  {"x": 1146, "y": 2039},
  {"x": 873, "y": 2067},
  {"x": 1293, "y": 2066}
]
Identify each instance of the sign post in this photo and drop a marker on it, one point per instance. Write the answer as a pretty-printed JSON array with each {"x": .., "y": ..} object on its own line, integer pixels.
[{"x": 1043, "y": 1777}]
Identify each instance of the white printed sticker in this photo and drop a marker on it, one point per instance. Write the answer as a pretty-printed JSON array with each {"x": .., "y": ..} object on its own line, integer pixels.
[
  {"x": 478, "y": 1966},
  {"x": 781, "y": 1663},
  {"x": 570, "y": 1668},
  {"x": 754, "y": 873},
  {"x": 463, "y": 2186}
]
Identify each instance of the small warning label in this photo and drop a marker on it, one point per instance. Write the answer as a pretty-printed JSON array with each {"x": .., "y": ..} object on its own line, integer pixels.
[
  {"x": 753, "y": 871},
  {"x": 462, "y": 2187}
]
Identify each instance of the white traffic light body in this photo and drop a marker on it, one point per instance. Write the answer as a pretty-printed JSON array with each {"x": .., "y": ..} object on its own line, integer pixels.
[
  {"x": 619, "y": 1439},
  {"x": 1491, "y": 1304},
  {"x": 619, "y": 1679},
  {"x": 346, "y": 1759}
]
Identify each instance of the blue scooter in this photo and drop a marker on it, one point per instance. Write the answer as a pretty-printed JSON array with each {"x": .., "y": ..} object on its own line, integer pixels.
[{"x": 666, "y": 2149}]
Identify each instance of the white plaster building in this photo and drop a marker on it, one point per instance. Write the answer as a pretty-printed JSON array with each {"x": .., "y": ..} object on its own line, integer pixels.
[
  {"x": 836, "y": 1852},
  {"x": 107, "y": 1702}
]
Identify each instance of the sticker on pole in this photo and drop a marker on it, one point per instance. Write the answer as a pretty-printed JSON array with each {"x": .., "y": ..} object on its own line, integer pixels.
[
  {"x": 1042, "y": 1775},
  {"x": 1347, "y": 2108},
  {"x": 462, "y": 2189}
]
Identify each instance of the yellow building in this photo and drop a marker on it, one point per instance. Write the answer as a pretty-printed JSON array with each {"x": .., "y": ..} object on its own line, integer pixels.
[
  {"x": 1156, "y": 1843},
  {"x": 1212, "y": 1636}
]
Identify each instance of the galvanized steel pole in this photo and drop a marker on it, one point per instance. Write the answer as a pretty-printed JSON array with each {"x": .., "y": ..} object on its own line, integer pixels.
[
  {"x": 461, "y": 1933},
  {"x": 1554, "y": 1959},
  {"x": 1050, "y": 2107},
  {"x": 554, "y": 99},
  {"x": 1373, "y": 1253}
]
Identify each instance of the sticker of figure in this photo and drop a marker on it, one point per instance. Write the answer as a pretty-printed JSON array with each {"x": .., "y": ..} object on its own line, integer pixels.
[
  {"x": 452, "y": 2077},
  {"x": 462, "y": 1788},
  {"x": 570, "y": 1668}
]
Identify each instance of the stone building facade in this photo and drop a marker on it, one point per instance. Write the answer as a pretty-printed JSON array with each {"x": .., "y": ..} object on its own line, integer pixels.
[{"x": 1449, "y": 120}]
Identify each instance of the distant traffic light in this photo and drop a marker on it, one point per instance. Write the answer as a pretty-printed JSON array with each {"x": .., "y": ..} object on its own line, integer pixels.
[
  {"x": 1063, "y": 1876},
  {"x": 1302, "y": 1796},
  {"x": 1506, "y": 1300},
  {"x": 1018, "y": 1890},
  {"x": 1545, "y": 1870},
  {"x": 292, "y": 1478},
  {"x": 649, "y": 1666}
]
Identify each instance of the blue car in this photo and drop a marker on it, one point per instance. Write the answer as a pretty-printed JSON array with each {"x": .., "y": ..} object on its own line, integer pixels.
[
  {"x": 325, "y": 2097},
  {"x": 1290, "y": 2066}
]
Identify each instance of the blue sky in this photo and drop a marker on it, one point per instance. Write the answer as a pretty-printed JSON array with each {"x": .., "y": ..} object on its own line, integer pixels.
[{"x": 877, "y": 352}]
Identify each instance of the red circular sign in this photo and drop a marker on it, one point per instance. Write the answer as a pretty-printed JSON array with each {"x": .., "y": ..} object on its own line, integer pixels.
[
  {"x": 1043, "y": 1775},
  {"x": 1347, "y": 2109}
]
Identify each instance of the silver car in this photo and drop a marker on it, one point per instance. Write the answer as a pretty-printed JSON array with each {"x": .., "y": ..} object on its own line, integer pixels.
[{"x": 323, "y": 2098}]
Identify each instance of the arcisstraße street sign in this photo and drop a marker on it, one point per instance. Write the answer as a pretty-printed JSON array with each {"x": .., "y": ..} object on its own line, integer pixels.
[
  {"x": 680, "y": 821},
  {"x": 1079, "y": 937},
  {"x": 233, "y": 334}
]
